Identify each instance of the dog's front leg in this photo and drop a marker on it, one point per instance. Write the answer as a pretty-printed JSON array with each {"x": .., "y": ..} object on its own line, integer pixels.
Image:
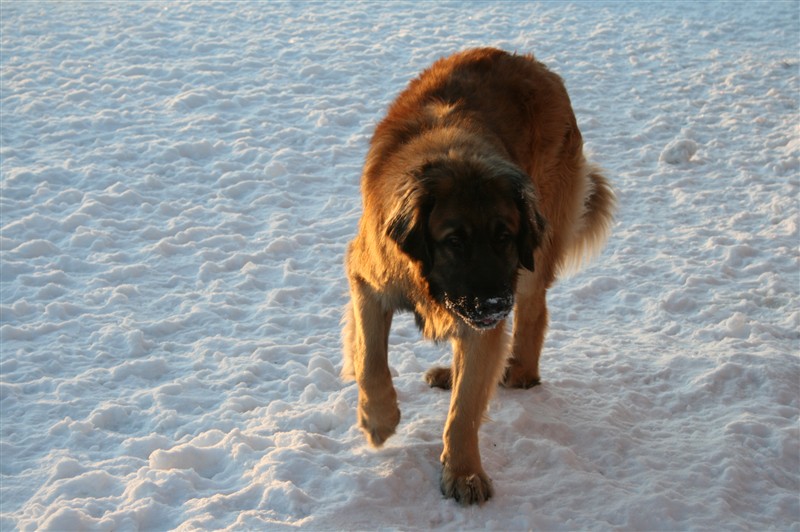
[
  {"x": 478, "y": 361},
  {"x": 368, "y": 323}
]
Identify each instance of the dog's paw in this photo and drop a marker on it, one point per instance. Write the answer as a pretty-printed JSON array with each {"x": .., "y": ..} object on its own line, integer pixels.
[
  {"x": 439, "y": 377},
  {"x": 474, "y": 488},
  {"x": 378, "y": 424},
  {"x": 518, "y": 377}
]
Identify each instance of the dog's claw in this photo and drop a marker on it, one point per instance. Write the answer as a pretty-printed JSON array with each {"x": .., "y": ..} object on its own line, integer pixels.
[
  {"x": 517, "y": 377},
  {"x": 466, "y": 489},
  {"x": 378, "y": 428}
]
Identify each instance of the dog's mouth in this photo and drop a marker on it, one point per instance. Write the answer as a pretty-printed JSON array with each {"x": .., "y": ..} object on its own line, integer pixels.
[
  {"x": 480, "y": 314},
  {"x": 488, "y": 322}
]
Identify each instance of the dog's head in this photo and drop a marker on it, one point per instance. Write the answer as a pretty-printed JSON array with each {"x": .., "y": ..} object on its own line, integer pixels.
[{"x": 470, "y": 225}]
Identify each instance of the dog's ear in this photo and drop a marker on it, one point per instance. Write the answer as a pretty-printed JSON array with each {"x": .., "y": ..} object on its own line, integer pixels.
[
  {"x": 407, "y": 226},
  {"x": 532, "y": 224}
]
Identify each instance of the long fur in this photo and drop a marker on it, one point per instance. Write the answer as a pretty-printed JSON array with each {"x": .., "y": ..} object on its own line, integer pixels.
[
  {"x": 504, "y": 123},
  {"x": 594, "y": 225}
]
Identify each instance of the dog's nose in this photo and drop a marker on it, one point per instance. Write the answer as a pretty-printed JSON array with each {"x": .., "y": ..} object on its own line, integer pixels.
[{"x": 492, "y": 306}]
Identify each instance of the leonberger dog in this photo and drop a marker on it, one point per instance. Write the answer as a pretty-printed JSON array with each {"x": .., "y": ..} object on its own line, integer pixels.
[{"x": 476, "y": 195}]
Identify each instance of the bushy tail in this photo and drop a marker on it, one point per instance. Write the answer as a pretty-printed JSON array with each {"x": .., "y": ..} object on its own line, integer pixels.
[{"x": 599, "y": 206}]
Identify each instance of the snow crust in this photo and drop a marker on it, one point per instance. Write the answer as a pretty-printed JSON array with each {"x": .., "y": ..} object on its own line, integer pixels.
[{"x": 179, "y": 183}]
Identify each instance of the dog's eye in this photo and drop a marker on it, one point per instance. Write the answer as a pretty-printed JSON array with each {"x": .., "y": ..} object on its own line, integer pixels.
[
  {"x": 504, "y": 238},
  {"x": 454, "y": 242}
]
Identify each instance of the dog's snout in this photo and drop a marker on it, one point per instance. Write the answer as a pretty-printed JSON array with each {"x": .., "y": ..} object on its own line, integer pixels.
[{"x": 482, "y": 312}]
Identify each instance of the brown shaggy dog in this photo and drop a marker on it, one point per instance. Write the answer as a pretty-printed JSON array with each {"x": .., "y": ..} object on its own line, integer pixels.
[{"x": 476, "y": 195}]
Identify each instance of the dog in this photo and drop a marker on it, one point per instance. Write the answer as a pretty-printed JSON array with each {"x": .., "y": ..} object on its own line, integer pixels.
[{"x": 476, "y": 196}]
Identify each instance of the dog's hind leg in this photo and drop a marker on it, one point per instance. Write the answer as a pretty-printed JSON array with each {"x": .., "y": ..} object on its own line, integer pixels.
[
  {"x": 530, "y": 326},
  {"x": 578, "y": 233}
]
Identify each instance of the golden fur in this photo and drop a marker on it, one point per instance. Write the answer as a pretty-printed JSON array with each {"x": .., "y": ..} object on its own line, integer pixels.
[{"x": 481, "y": 118}]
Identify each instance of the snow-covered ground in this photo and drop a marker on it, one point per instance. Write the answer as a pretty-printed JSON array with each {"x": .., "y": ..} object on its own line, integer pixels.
[{"x": 180, "y": 180}]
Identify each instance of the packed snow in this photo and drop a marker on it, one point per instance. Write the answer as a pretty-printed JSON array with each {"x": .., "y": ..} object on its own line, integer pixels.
[{"x": 179, "y": 183}]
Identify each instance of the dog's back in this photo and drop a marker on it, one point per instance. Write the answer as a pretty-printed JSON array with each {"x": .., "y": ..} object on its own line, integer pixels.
[{"x": 523, "y": 109}]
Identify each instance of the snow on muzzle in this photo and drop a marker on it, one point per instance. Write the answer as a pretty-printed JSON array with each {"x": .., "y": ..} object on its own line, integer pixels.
[{"x": 481, "y": 313}]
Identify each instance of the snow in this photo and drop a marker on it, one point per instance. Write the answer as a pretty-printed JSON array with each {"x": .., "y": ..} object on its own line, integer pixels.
[{"x": 179, "y": 183}]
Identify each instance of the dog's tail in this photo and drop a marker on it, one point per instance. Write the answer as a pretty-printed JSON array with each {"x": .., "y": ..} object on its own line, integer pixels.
[{"x": 594, "y": 226}]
